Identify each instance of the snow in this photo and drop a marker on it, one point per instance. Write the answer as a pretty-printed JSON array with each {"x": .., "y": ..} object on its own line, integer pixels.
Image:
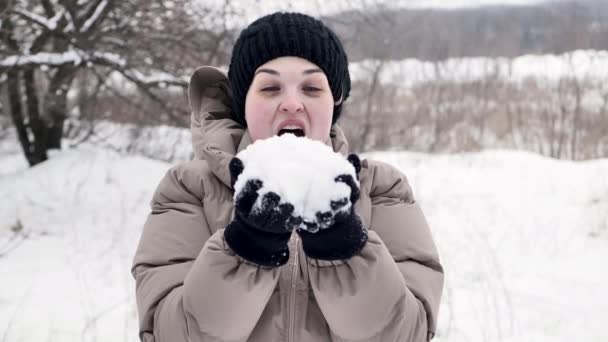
[
  {"x": 48, "y": 23},
  {"x": 48, "y": 58},
  {"x": 110, "y": 57},
  {"x": 91, "y": 20},
  {"x": 55, "y": 20},
  {"x": 11, "y": 158},
  {"x": 70, "y": 25},
  {"x": 75, "y": 57},
  {"x": 306, "y": 179},
  {"x": 523, "y": 239},
  {"x": 155, "y": 77},
  {"x": 65, "y": 276},
  {"x": 162, "y": 142},
  {"x": 580, "y": 64}
]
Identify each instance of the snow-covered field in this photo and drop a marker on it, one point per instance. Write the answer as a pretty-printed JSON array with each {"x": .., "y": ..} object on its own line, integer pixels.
[
  {"x": 523, "y": 238},
  {"x": 547, "y": 68}
]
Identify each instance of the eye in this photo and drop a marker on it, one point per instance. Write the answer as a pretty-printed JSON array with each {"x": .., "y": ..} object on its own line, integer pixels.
[
  {"x": 271, "y": 89},
  {"x": 311, "y": 89}
]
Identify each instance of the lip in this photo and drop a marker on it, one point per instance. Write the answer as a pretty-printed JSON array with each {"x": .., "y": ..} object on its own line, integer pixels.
[{"x": 294, "y": 122}]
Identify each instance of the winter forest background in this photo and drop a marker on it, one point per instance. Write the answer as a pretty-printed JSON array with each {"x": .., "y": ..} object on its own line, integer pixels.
[{"x": 497, "y": 111}]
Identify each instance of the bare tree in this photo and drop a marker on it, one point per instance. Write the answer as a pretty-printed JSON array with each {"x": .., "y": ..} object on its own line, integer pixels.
[{"x": 45, "y": 45}]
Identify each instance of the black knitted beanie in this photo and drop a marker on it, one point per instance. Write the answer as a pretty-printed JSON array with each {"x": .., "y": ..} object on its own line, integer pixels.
[{"x": 287, "y": 34}]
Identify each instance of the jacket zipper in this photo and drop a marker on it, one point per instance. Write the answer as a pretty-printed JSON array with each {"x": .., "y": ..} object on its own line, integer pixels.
[{"x": 292, "y": 294}]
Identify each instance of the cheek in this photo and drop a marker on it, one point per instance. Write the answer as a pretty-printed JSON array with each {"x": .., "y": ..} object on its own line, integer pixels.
[
  {"x": 325, "y": 109},
  {"x": 321, "y": 120},
  {"x": 258, "y": 116}
]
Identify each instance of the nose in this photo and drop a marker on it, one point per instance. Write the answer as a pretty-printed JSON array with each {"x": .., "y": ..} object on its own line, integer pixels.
[{"x": 291, "y": 103}]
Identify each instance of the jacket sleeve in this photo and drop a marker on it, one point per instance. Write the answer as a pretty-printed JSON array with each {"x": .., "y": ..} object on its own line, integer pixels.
[
  {"x": 189, "y": 285},
  {"x": 391, "y": 290}
]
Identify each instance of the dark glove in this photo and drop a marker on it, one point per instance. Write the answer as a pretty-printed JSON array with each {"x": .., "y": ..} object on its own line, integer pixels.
[
  {"x": 346, "y": 236},
  {"x": 259, "y": 235}
]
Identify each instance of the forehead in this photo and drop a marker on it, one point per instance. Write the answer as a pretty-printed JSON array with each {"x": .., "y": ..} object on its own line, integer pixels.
[{"x": 288, "y": 65}]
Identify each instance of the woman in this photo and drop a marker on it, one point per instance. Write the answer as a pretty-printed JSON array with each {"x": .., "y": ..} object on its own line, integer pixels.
[{"x": 204, "y": 274}]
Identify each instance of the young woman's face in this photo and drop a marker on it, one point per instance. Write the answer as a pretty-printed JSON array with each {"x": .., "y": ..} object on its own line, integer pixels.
[{"x": 289, "y": 94}]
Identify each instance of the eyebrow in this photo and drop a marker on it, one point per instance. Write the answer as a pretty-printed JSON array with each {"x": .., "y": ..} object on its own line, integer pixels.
[
  {"x": 269, "y": 71},
  {"x": 312, "y": 71},
  {"x": 274, "y": 72}
]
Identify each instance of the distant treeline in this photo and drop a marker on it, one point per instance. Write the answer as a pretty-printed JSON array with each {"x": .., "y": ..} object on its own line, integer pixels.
[{"x": 506, "y": 31}]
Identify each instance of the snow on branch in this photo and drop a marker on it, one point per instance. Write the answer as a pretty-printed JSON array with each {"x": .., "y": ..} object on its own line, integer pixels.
[
  {"x": 158, "y": 78},
  {"x": 108, "y": 58},
  {"x": 49, "y": 24},
  {"x": 63, "y": 58},
  {"x": 93, "y": 18},
  {"x": 111, "y": 60},
  {"x": 70, "y": 25},
  {"x": 55, "y": 20},
  {"x": 42, "y": 58}
]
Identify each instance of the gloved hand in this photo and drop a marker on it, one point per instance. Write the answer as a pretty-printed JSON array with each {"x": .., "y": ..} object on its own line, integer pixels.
[
  {"x": 346, "y": 236},
  {"x": 259, "y": 233}
]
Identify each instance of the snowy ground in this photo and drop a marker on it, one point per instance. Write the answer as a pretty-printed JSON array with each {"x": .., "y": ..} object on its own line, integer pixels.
[
  {"x": 523, "y": 238},
  {"x": 547, "y": 69}
]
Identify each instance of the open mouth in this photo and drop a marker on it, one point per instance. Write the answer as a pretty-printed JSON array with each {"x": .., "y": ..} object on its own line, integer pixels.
[{"x": 295, "y": 131}]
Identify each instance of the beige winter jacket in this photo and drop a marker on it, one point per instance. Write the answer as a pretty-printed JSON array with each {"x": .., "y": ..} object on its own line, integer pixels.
[{"x": 192, "y": 287}]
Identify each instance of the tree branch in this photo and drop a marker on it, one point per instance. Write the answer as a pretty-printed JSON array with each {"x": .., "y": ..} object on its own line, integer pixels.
[
  {"x": 95, "y": 15},
  {"x": 45, "y": 23}
]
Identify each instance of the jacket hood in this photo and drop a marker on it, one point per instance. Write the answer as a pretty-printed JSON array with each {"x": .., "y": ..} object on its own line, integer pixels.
[{"x": 216, "y": 136}]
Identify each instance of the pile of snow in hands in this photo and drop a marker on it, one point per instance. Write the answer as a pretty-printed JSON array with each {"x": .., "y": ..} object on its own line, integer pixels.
[{"x": 301, "y": 171}]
